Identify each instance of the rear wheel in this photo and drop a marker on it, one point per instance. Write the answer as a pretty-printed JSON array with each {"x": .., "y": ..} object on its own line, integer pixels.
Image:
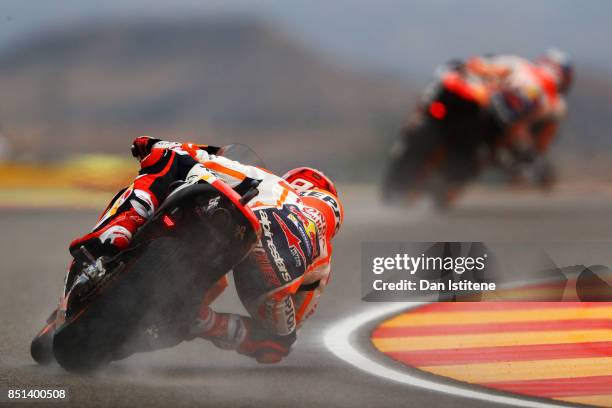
[
  {"x": 41, "y": 347},
  {"x": 545, "y": 175}
]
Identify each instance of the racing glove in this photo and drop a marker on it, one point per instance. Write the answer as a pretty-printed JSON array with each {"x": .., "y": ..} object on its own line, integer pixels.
[{"x": 142, "y": 145}]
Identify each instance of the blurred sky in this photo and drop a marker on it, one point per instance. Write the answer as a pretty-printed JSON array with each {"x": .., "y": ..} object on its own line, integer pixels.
[{"x": 403, "y": 38}]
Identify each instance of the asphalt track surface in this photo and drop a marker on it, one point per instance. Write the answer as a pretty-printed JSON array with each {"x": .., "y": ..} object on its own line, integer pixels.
[{"x": 33, "y": 259}]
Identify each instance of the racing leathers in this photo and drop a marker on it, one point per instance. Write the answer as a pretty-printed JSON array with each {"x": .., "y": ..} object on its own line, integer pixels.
[
  {"x": 525, "y": 99},
  {"x": 279, "y": 283}
]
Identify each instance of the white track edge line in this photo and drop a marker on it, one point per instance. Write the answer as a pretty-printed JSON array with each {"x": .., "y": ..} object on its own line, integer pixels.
[{"x": 337, "y": 340}]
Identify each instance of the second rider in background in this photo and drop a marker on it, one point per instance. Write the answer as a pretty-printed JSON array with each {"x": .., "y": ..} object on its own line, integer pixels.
[
  {"x": 500, "y": 110},
  {"x": 527, "y": 100}
]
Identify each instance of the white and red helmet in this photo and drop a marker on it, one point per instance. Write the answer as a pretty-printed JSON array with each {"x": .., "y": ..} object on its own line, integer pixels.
[
  {"x": 561, "y": 66},
  {"x": 307, "y": 178},
  {"x": 318, "y": 192}
]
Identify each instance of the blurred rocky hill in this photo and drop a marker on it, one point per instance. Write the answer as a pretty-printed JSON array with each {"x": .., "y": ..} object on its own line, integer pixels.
[{"x": 94, "y": 88}]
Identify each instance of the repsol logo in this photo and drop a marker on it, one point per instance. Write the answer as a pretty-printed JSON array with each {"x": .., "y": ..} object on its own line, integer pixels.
[
  {"x": 266, "y": 228},
  {"x": 331, "y": 201}
]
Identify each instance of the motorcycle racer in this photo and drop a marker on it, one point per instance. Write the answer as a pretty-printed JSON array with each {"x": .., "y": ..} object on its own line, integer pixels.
[
  {"x": 279, "y": 283},
  {"x": 289, "y": 293},
  {"x": 526, "y": 99},
  {"x": 522, "y": 95},
  {"x": 500, "y": 110}
]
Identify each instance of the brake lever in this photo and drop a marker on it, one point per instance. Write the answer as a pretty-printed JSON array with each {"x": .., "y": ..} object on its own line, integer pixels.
[
  {"x": 249, "y": 195},
  {"x": 247, "y": 189}
]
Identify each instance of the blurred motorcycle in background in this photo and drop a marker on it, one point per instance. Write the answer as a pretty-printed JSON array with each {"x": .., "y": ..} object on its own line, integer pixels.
[{"x": 500, "y": 113}]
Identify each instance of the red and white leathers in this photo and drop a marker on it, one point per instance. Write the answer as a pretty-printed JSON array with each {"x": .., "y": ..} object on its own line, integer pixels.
[{"x": 280, "y": 281}]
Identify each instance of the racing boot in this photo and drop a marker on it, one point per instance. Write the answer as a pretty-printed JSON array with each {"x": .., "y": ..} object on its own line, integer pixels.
[
  {"x": 229, "y": 331},
  {"x": 91, "y": 251},
  {"x": 226, "y": 330},
  {"x": 110, "y": 238}
]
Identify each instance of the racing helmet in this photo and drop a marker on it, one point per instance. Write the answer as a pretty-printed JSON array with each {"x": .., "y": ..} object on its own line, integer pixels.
[
  {"x": 561, "y": 64},
  {"x": 307, "y": 178},
  {"x": 320, "y": 196}
]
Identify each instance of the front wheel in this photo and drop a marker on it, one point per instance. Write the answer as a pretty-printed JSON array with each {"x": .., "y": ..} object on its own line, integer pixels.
[{"x": 413, "y": 159}]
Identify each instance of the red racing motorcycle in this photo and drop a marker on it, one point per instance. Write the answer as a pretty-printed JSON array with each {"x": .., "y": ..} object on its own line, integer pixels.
[
  {"x": 444, "y": 146},
  {"x": 146, "y": 297}
]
